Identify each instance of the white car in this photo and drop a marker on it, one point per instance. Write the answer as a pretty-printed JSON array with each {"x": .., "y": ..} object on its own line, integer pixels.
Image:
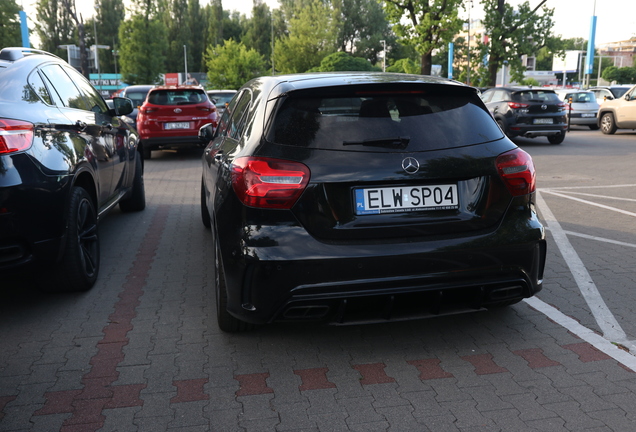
[
  {"x": 619, "y": 113},
  {"x": 582, "y": 107}
]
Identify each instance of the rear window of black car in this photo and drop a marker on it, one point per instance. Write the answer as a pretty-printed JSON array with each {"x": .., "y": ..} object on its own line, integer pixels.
[
  {"x": 535, "y": 96},
  {"x": 384, "y": 121}
]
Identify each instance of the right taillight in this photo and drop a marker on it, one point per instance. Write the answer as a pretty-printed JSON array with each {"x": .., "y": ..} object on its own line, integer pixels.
[
  {"x": 15, "y": 136},
  {"x": 517, "y": 171},
  {"x": 267, "y": 182},
  {"x": 517, "y": 105}
]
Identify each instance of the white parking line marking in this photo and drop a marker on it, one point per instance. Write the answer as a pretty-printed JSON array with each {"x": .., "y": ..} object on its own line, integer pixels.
[
  {"x": 601, "y": 196},
  {"x": 588, "y": 187},
  {"x": 591, "y": 203},
  {"x": 584, "y": 333},
  {"x": 600, "y": 239},
  {"x": 606, "y": 321}
]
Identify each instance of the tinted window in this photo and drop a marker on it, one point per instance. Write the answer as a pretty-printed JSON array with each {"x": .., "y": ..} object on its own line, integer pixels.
[
  {"x": 237, "y": 123},
  {"x": 36, "y": 83},
  {"x": 69, "y": 94},
  {"x": 414, "y": 121},
  {"x": 138, "y": 97},
  {"x": 95, "y": 101},
  {"x": 177, "y": 97},
  {"x": 618, "y": 92},
  {"x": 535, "y": 96}
]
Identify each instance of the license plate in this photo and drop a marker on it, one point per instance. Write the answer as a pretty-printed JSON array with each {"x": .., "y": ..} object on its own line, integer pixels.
[
  {"x": 406, "y": 199},
  {"x": 177, "y": 125},
  {"x": 543, "y": 121},
  {"x": 588, "y": 115}
]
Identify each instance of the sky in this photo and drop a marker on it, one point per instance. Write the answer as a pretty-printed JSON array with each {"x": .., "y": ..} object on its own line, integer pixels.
[{"x": 616, "y": 19}]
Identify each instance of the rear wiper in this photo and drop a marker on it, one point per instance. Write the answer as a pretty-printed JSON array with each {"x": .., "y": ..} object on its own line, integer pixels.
[{"x": 397, "y": 142}]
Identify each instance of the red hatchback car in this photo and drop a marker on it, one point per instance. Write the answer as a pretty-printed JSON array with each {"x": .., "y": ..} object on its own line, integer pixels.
[{"x": 171, "y": 117}]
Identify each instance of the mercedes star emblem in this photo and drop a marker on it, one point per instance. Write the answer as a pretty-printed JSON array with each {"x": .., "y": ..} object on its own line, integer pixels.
[{"x": 410, "y": 165}]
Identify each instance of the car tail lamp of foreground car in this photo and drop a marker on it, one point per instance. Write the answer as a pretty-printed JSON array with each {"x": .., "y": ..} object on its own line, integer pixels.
[
  {"x": 269, "y": 183},
  {"x": 15, "y": 136},
  {"x": 517, "y": 171}
]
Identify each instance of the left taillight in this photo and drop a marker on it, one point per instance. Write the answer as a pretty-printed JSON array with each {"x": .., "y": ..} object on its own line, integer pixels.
[
  {"x": 269, "y": 183},
  {"x": 516, "y": 169},
  {"x": 15, "y": 135}
]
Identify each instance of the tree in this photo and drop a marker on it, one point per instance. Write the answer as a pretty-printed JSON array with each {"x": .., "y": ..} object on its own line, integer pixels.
[
  {"x": 53, "y": 26},
  {"x": 623, "y": 75},
  {"x": 175, "y": 20},
  {"x": 258, "y": 30},
  {"x": 342, "y": 61},
  {"x": 10, "y": 24},
  {"x": 511, "y": 34},
  {"x": 143, "y": 44},
  {"x": 405, "y": 65},
  {"x": 312, "y": 36},
  {"x": 110, "y": 14},
  {"x": 363, "y": 25},
  {"x": 425, "y": 25},
  {"x": 71, "y": 9},
  {"x": 197, "y": 31},
  {"x": 231, "y": 65}
]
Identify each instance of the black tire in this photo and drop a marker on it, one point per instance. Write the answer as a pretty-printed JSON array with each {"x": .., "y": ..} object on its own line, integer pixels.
[
  {"x": 227, "y": 322},
  {"x": 608, "y": 125},
  {"x": 593, "y": 127},
  {"x": 79, "y": 266},
  {"x": 556, "y": 139},
  {"x": 136, "y": 200},
  {"x": 205, "y": 214}
]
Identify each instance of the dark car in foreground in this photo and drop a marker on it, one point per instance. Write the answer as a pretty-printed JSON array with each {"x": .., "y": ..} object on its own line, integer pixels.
[
  {"x": 528, "y": 112},
  {"x": 66, "y": 158},
  {"x": 365, "y": 197},
  {"x": 171, "y": 116}
]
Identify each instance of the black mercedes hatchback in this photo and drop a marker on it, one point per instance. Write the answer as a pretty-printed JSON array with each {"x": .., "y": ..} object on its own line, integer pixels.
[
  {"x": 366, "y": 197},
  {"x": 65, "y": 160}
]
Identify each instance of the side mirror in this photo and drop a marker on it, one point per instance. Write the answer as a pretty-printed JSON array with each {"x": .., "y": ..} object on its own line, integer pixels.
[
  {"x": 206, "y": 133},
  {"x": 122, "y": 106},
  {"x": 214, "y": 101},
  {"x": 627, "y": 97}
]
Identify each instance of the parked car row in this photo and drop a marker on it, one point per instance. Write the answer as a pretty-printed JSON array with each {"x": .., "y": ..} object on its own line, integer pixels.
[{"x": 532, "y": 112}]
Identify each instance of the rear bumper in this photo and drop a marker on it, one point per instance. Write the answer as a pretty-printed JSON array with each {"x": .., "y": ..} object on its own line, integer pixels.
[{"x": 297, "y": 278}]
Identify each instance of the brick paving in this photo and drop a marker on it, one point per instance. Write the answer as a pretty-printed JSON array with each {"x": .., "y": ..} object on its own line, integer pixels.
[{"x": 141, "y": 352}]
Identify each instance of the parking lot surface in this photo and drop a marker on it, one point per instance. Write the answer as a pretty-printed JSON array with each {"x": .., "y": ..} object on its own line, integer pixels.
[{"x": 141, "y": 351}]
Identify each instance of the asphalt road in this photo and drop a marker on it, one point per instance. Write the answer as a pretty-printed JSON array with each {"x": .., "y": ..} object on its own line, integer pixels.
[{"x": 141, "y": 350}]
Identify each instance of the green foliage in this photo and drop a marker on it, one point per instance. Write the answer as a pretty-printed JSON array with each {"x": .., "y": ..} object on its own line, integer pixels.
[
  {"x": 363, "y": 25},
  {"x": 406, "y": 65},
  {"x": 530, "y": 82},
  {"x": 424, "y": 25},
  {"x": 110, "y": 14},
  {"x": 10, "y": 24},
  {"x": 258, "y": 30},
  {"x": 143, "y": 44},
  {"x": 312, "y": 36},
  {"x": 342, "y": 61},
  {"x": 623, "y": 75},
  {"x": 53, "y": 27},
  {"x": 513, "y": 32},
  {"x": 231, "y": 65}
]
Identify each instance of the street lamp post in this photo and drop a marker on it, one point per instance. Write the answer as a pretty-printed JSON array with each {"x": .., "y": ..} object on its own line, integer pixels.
[
  {"x": 99, "y": 74},
  {"x": 468, "y": 46},
  {"x": 383, "y": 55}
]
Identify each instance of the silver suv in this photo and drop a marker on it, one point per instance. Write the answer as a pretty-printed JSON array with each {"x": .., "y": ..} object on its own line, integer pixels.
[{"x": 619, "y": 113}]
